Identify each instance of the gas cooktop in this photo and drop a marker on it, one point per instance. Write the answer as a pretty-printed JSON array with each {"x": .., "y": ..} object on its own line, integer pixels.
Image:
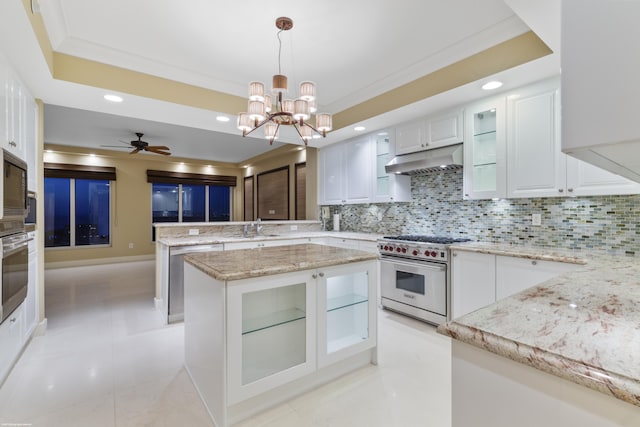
[{"x": 427, "y": 239}]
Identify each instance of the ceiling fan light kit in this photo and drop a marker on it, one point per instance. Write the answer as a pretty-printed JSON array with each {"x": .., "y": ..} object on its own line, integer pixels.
[{"x": 263, "y": 111}]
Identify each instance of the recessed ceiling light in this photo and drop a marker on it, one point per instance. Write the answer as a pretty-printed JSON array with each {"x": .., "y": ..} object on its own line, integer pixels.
[
  {"x": 113, "y": 98},
  {"x": 92, "y": 155},
  {"x": 359, "y": 128},
  {"x": 316, "y": 136},
  {"x": 383, "y": 133},
  {"x": 491, "y": 85},
  {"x": 222, "y": 118}
]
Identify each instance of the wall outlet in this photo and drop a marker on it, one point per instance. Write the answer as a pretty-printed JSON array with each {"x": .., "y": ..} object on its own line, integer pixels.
[
  {"x": 536, "y": 219},
  {"x": 130, "y": 245},
  {"x": 272, "y": 212},
  {"x": 294, "y": 227},
  {"x": 194, "y": 232},
  {"x": 325, "y": 212}
]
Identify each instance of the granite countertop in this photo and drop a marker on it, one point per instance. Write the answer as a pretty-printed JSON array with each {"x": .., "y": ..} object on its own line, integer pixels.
[
  {"x": 521, "y": 251},
  {"x": 204, "y": 239},
  {"x": 247, "y": 263},
  {"x": 583, "y": 326}
]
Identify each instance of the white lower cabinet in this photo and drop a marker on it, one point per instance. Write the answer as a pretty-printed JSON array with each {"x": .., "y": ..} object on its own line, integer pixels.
[
  {"x": 346, "y": 312},
  {"x": 478, "y": 279},
  {"x": 31, "y": 302},
  {"x": 254, "y": 244},
  {"x": 517, "y": 274},
  {"x": 271, "y": 332},
  {"x": 11, "y": 340},
  {"x": 473, "y": 282},
  {"x": 250, "y": 342}
]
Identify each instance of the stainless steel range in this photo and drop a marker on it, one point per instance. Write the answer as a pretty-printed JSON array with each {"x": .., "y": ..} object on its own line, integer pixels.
[{"x": 414, "y": 276}]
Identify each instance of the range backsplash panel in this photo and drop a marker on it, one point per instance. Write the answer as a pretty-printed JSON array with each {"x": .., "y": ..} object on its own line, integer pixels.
[{"x": 599, "y": 224}]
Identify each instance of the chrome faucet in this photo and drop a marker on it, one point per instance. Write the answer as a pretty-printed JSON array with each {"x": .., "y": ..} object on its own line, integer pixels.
[{"x": 258, "y": 226}]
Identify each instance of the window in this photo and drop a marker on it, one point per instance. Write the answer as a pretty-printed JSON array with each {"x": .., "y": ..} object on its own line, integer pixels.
[
  {"x": 189, "y": 197},
  {"x": 77, "y": 212},
  {"x": 199, "y": 203},
  {"x": 77, "y": 205}
]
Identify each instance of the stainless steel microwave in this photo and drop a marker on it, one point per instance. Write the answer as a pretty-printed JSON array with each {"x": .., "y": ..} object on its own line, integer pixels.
[{"x": 13, "y": 203}]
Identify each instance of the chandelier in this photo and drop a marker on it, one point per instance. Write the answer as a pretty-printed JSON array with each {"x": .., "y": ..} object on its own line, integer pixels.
[{"x": 271, "y": 113}]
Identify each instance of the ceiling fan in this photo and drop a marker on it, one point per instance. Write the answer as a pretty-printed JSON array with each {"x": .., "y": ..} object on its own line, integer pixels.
[{"x": 140, "y": 145}]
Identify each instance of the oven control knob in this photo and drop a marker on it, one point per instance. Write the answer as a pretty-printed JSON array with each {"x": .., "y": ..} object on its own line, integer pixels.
[
  {"x": 434, "y": 254},
  {"x": 415, "y": 252},
  {"x": 404, "y": 250},
  {"x": 426, "y": 253},
  {"x": 386, "y": 248},
  {"x": 398, "y": 250}
]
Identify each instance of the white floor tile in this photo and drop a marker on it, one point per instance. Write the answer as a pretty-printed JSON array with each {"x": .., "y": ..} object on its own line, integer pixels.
[{"x": 108, "y": 360}]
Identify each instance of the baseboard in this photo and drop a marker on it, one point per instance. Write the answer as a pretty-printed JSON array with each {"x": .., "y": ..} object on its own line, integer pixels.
[
  {"x": 97, "y": 261},
  {"x": 41, "y": 328}
]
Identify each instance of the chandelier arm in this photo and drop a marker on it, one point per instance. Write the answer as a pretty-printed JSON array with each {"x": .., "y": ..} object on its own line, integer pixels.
[
  {"x": 274, "y": 134},
  {"x": 300, "y": 133},
  {"x": 260, "y": 124}
]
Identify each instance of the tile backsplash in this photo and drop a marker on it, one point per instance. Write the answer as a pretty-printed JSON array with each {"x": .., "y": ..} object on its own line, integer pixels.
[{"x": 604, "y": 223}]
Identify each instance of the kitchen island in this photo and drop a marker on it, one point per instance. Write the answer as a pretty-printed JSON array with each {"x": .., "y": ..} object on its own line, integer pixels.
[
  {"x": 263, "y": 325},
  {"x": 564, "y": 352}
]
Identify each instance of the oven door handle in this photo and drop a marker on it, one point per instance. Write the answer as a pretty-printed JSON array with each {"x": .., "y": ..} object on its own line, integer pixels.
[
  {"x": 420, "y": 264},
  {"x": 11, "y": 248}
]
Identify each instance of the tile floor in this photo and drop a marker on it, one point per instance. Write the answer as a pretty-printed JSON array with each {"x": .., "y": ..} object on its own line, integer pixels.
[{"x": 106, "y": 360}]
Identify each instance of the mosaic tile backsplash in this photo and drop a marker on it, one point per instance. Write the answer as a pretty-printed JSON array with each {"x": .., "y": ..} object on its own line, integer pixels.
[{"x": 599, "y": 224}]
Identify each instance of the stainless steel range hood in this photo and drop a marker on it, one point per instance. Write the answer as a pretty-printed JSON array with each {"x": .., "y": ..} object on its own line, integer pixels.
[{"x": 423, "y": 162}]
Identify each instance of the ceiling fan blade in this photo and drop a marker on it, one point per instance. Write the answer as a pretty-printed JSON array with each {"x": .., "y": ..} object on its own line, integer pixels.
[
  {"x": 114, "y": 146},
  {"x": 158, "y": 151},
  {"x": 158, "y": 147},
  {"x": 134, "y": 151}
]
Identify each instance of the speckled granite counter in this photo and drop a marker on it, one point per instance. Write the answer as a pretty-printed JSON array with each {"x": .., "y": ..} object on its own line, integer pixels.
[
  {"x": 546, "y": 254},
  {"x": 246, "y": 263},
  {"x": 204, "y": 239},
  {"x": 583, "y": 326}
]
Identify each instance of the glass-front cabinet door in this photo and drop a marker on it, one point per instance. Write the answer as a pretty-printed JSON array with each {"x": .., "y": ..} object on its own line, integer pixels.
[
  {"x": 485, "y": 150},
  {"x": 346, "y": 311},
  {"x": 271, "y": 332}
]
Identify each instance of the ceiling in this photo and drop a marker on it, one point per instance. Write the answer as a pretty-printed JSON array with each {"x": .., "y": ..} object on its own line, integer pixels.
[{"x": 354, "y": 51}]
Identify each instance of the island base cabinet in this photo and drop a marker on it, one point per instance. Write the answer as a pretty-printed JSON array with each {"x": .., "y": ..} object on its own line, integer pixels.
[
  {"x": 346, "y": 311},
  {"x": 271, "y": 332},
  {"x": 492, "y": 391},
  {"x": 253, "y": 343}
]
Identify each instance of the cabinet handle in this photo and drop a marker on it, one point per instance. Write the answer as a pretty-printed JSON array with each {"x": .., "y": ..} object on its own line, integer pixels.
[
  {"x": 466, "y": 195},
  {"x": 321, "y": 274},
  {"x": 314, "y": 275},
  {"x": 534, "y": 262},
  {"x": 454, "y": 254},
  {"x": 560, "y": 190},
  {"x": 12, "y": 320},
  {"x": 570, "y": 190},
  {"x": 13, "y": 144}
]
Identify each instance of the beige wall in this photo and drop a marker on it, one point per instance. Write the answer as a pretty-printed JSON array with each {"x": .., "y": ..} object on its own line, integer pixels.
[
  {"x": 131, "y": 198},
  {"x": 131, "y": 195}
]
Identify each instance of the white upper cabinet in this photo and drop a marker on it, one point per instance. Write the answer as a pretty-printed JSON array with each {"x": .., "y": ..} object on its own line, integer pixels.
[
  {"x": 358, "y": 167},
  {"x": 435, "y": 131},
  {"x": 445, "y": 129},
  {"x": 535, "y": 165},
  {"x": 13, "y": 111},
  {"x": 584, "y": 179},
  {"x": 410, "y": 137},
  {"x": 332, "y": 168},
  {"x": 346, "y": 170},
  {"x": 31, "y": 144},
  {"x": 388, "y": 187},
  {"x": 485, "y": 150}
]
